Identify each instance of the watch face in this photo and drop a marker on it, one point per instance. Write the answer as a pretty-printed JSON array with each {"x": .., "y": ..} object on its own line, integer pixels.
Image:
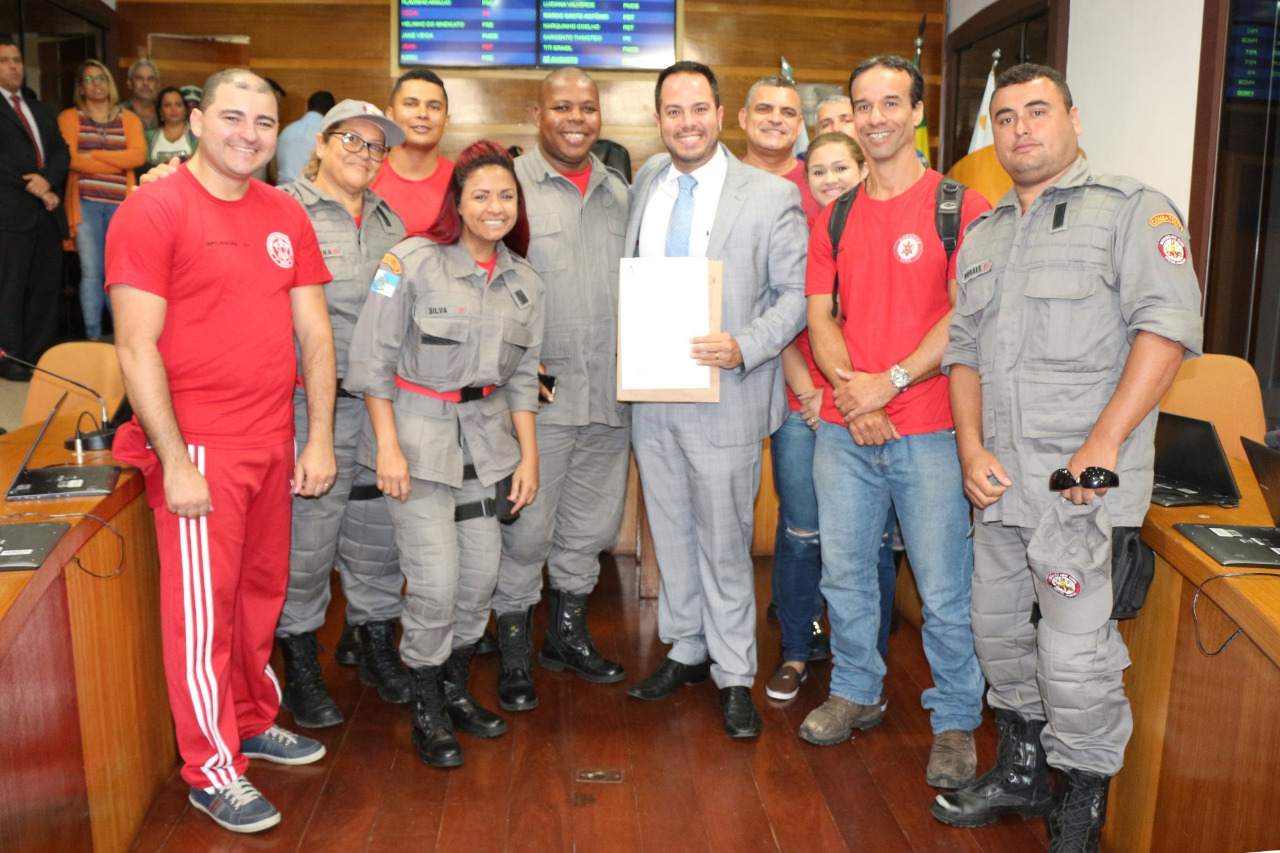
[{"x": 899, "y": 377}]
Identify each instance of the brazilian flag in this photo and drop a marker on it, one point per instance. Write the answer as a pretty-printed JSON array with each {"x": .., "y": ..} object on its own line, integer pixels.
[{"x": 922, "y": 129}]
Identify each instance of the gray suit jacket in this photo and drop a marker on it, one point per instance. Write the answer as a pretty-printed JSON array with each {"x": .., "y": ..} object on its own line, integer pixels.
[{"x": 759, "y": 233}]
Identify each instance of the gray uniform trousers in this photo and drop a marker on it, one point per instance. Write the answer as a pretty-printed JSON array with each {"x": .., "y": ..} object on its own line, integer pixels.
[
  {"x": 582, "y": 474},
  {"x": 450, "y": 568},
  {"x": 1075, "y": 681},
  {"x": 700, "y": 499},
  {"x": 357, "y": 533}
]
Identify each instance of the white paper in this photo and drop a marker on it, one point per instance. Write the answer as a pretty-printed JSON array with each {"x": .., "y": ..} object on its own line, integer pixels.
[{"x": 663, "y": 304}]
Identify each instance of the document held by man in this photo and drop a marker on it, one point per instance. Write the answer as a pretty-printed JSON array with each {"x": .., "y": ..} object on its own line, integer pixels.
[{"x": 663, "y": 303}]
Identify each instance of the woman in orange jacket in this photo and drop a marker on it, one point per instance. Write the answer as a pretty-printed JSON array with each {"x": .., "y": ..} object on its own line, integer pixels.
[{"x": 106, "y": 144}]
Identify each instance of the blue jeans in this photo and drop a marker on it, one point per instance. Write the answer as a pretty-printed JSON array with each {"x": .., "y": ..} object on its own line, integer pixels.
[
  {"x": 91, "y": 246},
  {"x": 919, "y": 475},
  {"x": 797, "y": 558}
]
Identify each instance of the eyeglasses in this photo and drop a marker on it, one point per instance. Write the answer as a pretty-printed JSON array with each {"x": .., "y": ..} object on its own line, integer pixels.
[
  {"x": 1092, "y": 477},
  {"x": 96, "y": 78},
  {"x": 353, "y": 143}
]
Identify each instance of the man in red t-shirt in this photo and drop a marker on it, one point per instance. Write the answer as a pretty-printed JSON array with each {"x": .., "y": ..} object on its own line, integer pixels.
[
  {"x": 886, "y": 435},
  {"x": 211, "y": 275},
  {"x": 414, "y": 177},
  {"x": 771, "y": 119}
]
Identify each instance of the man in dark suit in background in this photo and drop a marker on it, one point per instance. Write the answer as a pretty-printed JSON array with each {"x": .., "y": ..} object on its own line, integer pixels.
[{"x": 33, "y": 171}]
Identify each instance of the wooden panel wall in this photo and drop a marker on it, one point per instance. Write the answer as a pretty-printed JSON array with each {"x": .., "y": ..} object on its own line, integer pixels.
[{"x": 345, "y": 45}]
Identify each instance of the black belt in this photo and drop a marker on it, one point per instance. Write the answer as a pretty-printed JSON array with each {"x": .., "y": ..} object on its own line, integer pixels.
[{"x": 371, "y": 491}]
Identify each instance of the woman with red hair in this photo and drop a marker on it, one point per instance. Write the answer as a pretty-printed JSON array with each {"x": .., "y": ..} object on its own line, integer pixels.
[{"x": 446, "y": 355}]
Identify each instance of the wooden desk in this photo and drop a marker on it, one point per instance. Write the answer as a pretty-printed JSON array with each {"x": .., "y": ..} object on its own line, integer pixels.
[
  {"x": 1200, "y": 772},
  {"x": 88, "y": 740}
]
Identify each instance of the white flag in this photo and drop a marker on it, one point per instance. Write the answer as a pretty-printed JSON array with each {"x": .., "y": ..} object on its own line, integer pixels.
[{"x": 982, "y": 136}]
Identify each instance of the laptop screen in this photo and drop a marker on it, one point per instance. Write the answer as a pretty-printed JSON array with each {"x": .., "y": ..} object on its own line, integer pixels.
[
  {"x": 1265, "y": 463},
  {"x": 1189, "y": 454},
  {"x": 32, "y": 449}
]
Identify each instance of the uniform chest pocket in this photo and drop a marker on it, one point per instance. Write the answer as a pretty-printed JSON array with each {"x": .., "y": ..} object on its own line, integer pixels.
[
  {"x": 516, "y": 340},
  {"x": 548, "y": 248},
  {"x": 1070, "y": 318},
  {"x": 974, "y": 295},
  {"x": 442, "y": 354}
]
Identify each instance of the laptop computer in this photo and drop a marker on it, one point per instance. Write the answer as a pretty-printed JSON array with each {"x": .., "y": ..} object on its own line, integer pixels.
[
  {"x": 1191, "y": 468},
  {"x": 60, "y": 481},
  {"x": 24, "y": 546},
  {"x": 1236, "y": 545}
]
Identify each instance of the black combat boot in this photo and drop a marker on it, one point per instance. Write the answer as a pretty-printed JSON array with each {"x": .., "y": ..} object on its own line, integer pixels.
[
  {"x": 304, "y": 693},
  {"x": 487, "y": 644},
  {"x": 515, "y": 679},
  {"x": 1079, "y": 811},
  {"x": 432, "y": 731},
  {"x": 567, "y": 644},
  {"x": 1017, "y": 784},
  {"x": 380, "y": 665},
  {"x": 466, "y": 713},
  {"x": 347, "y": 652}
]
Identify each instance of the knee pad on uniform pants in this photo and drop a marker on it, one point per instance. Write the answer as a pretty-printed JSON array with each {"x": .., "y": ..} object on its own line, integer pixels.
[{"x": 1081, "y": 680}]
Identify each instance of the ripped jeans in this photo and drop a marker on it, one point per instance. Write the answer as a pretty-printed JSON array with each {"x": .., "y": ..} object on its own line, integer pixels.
[{"x": 797, "y": 557}]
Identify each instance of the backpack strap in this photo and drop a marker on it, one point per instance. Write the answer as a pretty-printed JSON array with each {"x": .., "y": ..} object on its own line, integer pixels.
[
  {"x": 835, "y": 229},
  {"x": 946, "y": 213}
]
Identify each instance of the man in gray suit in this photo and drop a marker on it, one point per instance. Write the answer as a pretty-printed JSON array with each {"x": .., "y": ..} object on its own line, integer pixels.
[{"x": 700, "y": 462}]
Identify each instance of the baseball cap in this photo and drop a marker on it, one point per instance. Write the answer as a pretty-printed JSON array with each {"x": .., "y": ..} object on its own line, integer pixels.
[
  {"x": 191, "y": 93},
  {"x": 1070, "y": 556},
  {"x": 351, "y": 108}
]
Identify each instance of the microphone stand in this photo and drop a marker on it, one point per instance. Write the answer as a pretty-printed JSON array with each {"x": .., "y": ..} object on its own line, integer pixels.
[{"x": 99, "y": 439}]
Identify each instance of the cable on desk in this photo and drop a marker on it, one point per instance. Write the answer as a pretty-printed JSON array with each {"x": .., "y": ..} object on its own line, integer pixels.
[
  {"x": 1195, "y": 601},
  {"x": 119, "y": 536}
]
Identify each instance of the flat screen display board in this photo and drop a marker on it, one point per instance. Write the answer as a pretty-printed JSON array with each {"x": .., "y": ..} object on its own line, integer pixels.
[{"x": 637, "y": 34}]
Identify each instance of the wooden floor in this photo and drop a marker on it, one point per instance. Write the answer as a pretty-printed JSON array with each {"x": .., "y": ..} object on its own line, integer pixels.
[{"x": 685, "y": 785}]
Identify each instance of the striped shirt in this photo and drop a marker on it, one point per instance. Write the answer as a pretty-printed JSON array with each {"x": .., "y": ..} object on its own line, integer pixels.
[{"x": 101, "y": 136}]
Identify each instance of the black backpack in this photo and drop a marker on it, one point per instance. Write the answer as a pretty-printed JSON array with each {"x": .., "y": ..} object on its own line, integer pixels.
[{"x": 946, "y": 219}]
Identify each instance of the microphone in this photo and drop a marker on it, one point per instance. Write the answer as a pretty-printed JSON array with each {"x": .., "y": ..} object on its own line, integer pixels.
[{"x": 99, "y": 439}]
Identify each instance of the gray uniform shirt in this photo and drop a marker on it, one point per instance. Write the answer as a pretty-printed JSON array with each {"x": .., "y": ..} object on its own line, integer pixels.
[
  {"x": 576, "y": 246},
  {"x": 351, "y": 253},
  {"x": 434, "y": 321},
  {"x": 1049, "y": 303}
]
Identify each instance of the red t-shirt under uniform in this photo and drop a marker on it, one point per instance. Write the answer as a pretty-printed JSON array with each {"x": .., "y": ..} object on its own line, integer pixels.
[
  {"x": 416, "y": 202},
  {"x": 225, "y": 270},
  {"x": 893, "y": 289}
]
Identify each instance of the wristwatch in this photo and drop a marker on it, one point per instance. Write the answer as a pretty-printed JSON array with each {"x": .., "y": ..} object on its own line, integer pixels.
[{"x": 899, "y": 377}]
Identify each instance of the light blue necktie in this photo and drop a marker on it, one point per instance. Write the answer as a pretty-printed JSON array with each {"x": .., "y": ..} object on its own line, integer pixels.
[{"x": 681, "y": 223}]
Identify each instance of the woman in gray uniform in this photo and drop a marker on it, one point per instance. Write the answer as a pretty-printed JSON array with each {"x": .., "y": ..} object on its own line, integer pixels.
[
  {"x": 446, "y": 355},
  {"x": 355, "y": 228}
]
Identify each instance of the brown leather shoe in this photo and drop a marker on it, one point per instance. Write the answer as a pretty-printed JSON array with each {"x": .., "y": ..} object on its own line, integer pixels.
[{"x": 784, "y": 684}]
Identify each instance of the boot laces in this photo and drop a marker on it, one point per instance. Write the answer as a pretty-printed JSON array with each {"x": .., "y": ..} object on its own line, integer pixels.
[
  {"x": 381, "y": 657},
  {"x": 1077, "y": 813}
]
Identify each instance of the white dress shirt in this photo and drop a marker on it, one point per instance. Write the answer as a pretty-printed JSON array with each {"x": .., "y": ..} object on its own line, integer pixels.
[{"x": 706, "y": 198}]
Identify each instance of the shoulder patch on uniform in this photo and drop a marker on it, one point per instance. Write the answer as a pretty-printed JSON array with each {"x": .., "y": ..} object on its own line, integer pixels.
[
  {"x": 1163, "y": 219},
  {"x": 1173, "y": 249},
  {"x": 974, "y": 270},
  {"x": 387, "y": 278}
]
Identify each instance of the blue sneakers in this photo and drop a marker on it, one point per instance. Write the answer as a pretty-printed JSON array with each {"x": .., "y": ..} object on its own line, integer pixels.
[
  {"x": 237, "y": 807},
  {"x": 282, "y": 747}
]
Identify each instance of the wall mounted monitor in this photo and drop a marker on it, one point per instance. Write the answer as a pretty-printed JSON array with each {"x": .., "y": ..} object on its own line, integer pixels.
[{"x": 625, "y": 34}]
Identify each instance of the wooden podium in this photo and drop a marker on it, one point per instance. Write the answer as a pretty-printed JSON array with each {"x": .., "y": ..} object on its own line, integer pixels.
[
  {"x": 88, "y": 739},
  {"x": 1199, "y": 773}
]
